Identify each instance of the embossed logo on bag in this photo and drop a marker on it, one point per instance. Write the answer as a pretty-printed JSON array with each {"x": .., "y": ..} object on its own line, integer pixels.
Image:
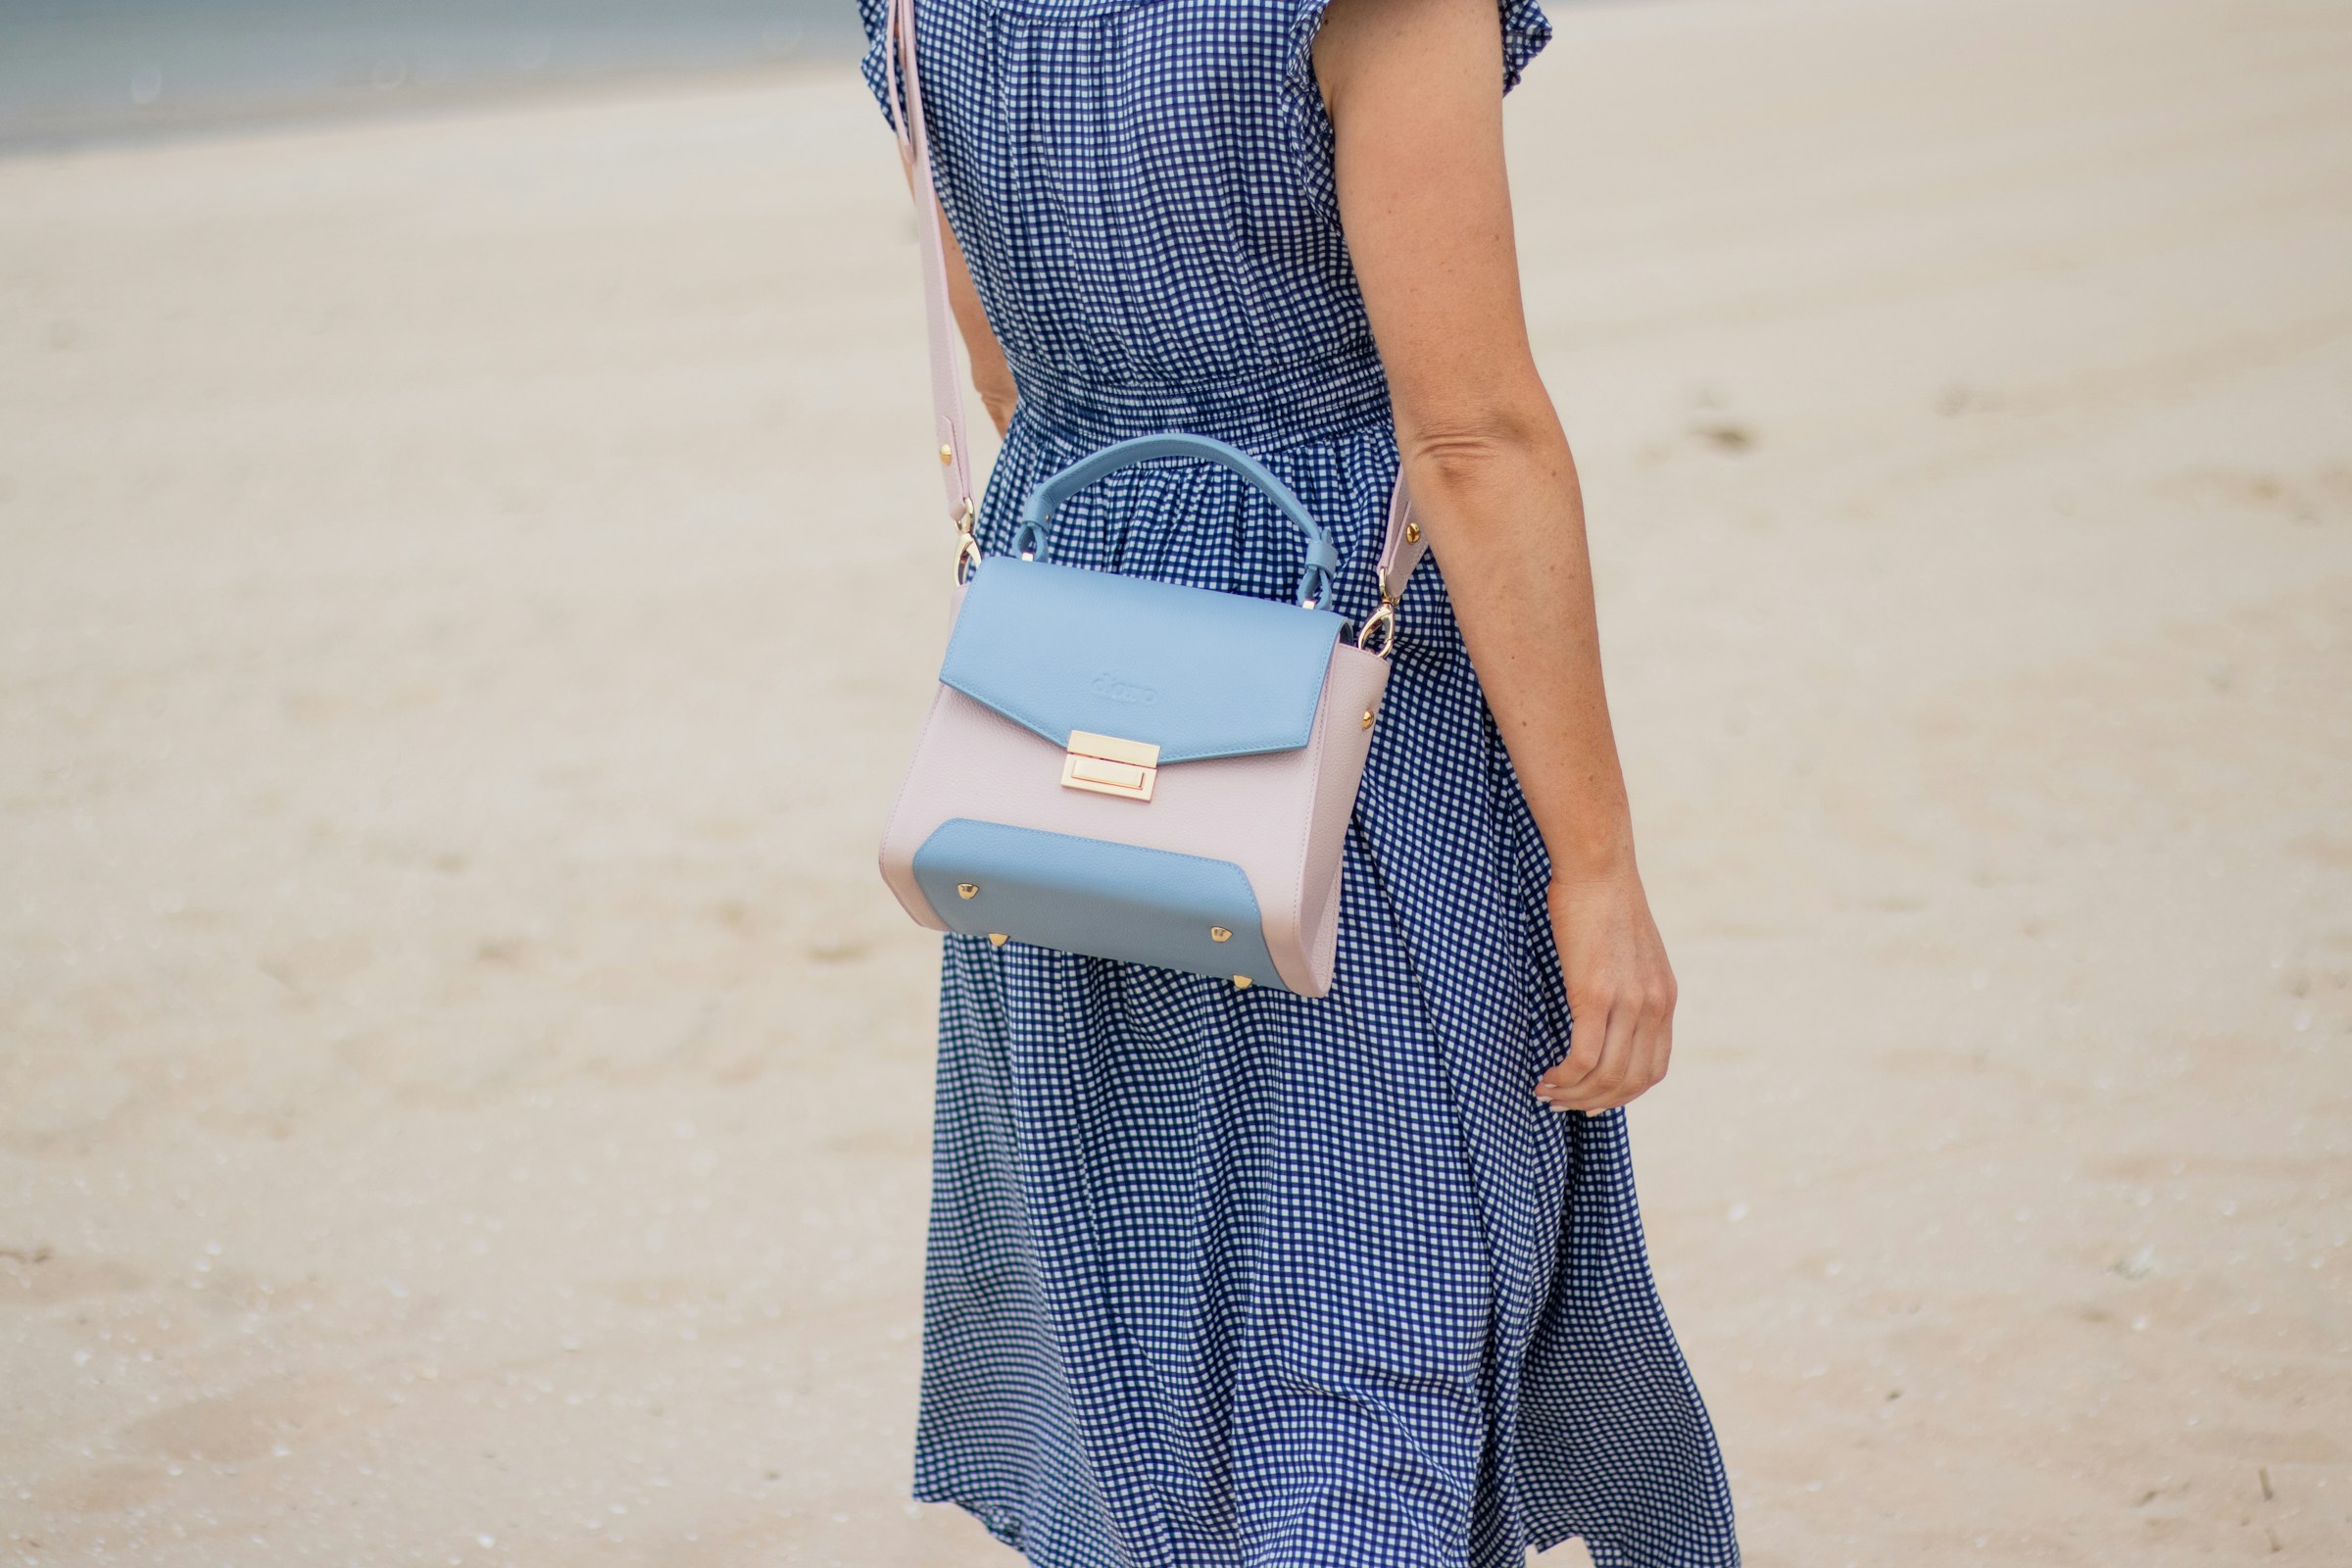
[{"x": 1112, "y": 684}]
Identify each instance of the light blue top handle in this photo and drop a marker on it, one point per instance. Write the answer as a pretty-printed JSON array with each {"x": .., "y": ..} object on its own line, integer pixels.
[{"x": 1037, "y": 517}]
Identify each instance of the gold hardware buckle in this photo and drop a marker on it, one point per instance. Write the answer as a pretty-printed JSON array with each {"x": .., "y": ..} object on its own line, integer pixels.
[
  {"x": 967, "y": 544},
  {"x": 1109, "y": 766}
]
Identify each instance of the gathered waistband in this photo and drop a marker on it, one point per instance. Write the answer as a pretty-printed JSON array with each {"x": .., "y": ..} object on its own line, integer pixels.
[{"x": 1314, "y": 400}]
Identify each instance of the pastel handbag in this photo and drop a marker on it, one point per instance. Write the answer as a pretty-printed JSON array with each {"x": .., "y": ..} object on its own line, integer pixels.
[{"x": 1125, "y": 768}]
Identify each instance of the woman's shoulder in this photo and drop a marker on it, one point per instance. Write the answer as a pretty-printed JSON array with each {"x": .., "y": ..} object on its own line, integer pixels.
[
  {"x": 1151, "y": 41},
  {"x": 973, "y": 42}
]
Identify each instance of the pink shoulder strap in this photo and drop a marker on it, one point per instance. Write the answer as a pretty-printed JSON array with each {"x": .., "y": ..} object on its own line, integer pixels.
[
  {"x": 914, "y": 147},
  {"x": 1401, "y": 552}
]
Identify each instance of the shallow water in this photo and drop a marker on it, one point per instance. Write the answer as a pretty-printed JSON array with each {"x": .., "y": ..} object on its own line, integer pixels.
[{"x": 101, "y": 70}]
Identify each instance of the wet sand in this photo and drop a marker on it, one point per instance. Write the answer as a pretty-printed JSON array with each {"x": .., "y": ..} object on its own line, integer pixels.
[{"x": 469, "y": 585}]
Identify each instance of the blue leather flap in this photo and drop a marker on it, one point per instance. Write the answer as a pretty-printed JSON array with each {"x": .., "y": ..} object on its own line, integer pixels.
[
  {"x": 1195, "y": 672},
  {"x": 1111, "y": 901}
]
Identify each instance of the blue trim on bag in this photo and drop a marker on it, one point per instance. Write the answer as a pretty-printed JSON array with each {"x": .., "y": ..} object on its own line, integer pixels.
[
  {"x": 1196, "y": 672},
  {"x": 1035, "y": 533},
  {"x": 1109, "y": 901}
]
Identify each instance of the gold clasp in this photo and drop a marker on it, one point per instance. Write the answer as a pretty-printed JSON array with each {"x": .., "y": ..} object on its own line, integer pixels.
[
  {"x": 1382, "y": 620},
  {"x": 1108, "y": 766},
  {"x": 967, "y": 544}
]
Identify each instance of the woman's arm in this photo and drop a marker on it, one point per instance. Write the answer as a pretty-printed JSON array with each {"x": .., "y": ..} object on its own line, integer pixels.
[
  {"x": 1414, "y": 88},
  {"x": 991, "y": 378}
]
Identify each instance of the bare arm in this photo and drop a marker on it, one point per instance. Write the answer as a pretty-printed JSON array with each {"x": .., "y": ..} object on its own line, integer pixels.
[
  {"x": 991, "y": 377},
  {"x": 1414, "y": 88}
]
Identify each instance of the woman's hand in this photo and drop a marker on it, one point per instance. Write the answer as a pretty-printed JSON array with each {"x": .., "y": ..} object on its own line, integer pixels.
[{"x": 1621, "y": 992}]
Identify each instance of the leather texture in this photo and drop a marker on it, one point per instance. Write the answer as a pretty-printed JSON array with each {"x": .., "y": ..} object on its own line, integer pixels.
[
  {"x": 1095, "y": 895},
  {"x": 1401, "y": 551},
  {"x": 1281, "y": 816},
  {"x": 1196, "y": 672},
  {"x": 1262, "y": 746},
  {"x": 1034, "y": 536}
]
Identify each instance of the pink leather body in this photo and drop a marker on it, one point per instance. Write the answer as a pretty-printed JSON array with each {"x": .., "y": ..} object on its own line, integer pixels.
[{"x": 1281, "y": 816}]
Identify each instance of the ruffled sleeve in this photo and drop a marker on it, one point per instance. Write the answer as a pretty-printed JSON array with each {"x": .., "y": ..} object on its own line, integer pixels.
[
  {"x": 875, "y": 13},
  {"x": 1525, "y": 32}
]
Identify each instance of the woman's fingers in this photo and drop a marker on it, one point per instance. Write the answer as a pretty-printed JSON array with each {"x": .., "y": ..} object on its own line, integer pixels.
[
  {"x": 1659, "y": 1051},
  {"x": 1612, "y": 1079},
  {"x": 1636, "y": 1045},
  {"x": 1587, "y": 1046}
]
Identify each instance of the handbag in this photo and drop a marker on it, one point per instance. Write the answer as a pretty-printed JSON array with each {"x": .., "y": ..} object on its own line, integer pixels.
[{"x": 1126, "y": 768}]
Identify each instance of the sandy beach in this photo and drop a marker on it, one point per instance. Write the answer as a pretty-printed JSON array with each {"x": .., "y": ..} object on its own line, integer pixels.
[{"x": 468, "y": 582}]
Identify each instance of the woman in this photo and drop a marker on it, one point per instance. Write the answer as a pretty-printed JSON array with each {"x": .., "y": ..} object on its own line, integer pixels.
[{"x": 1221, "y": 1277}]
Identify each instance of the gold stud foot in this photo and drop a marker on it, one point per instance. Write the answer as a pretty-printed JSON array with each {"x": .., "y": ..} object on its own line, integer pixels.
[
  {"x": 1240, "y": 982},
  {"x": 1217, "y": 933},
  {"x": 1367, "y": 718},
  {"x": 967, "y": 890},
  {"x": 997, "y": 939}
]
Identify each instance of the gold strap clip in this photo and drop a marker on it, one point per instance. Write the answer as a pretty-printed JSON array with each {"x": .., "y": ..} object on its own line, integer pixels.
[{"x": 968, "y": 545}]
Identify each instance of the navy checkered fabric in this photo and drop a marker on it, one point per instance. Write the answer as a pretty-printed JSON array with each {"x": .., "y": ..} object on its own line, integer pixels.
[{"x": 1227, "y": 1278}]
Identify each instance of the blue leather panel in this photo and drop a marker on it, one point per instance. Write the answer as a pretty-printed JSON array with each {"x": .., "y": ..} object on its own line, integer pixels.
[
  {"x": 1196, "y": 672},
  {"x": 1112, "y": 901},
  {"x": 1037, "y": 515}
]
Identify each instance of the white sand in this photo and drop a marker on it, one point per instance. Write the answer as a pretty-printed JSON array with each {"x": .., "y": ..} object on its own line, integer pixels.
[{"x": 466, "y": 586}]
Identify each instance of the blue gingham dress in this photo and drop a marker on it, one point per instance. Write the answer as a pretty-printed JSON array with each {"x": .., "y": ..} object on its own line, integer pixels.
[{"x": 1220, "y": 1278}]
